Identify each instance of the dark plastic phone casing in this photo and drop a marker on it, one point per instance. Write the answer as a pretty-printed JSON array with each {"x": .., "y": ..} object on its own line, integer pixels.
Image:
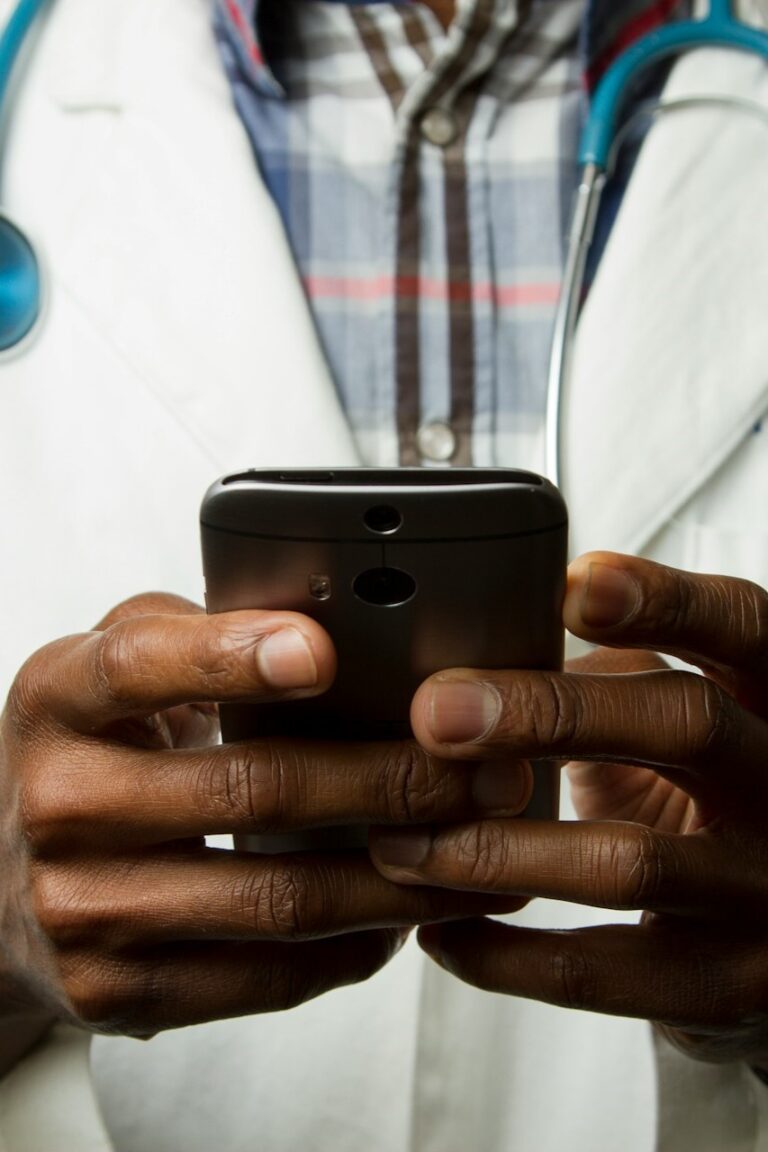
[{"x": 486, "y": 549}]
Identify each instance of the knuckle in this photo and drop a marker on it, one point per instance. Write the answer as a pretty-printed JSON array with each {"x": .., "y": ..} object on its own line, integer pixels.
[
  {"x": 708, "y": 719},
  {"x": 48, "y": 814},
  {"x": 748, "y": 611},
  {"x": 229, "y": 656},
  {"x": 276, "y": 902},
  {"x": 114, "y": 996},
  {"x": 26, "y": 704},
  {"x": 410, "y": 784},
  {"x": 116, "y": 656},
  {"x": 668, "y": 603},
  {"x": 636, "y": 870},
  {"x": 550, "y": 711},
  {"x": 483, "y": 856},
  {"x": 71, "y": 907},
  {"x": 573, "y": 975},
  {"x": 250, "y": 784},
  {"x": 58, "y": 913}
]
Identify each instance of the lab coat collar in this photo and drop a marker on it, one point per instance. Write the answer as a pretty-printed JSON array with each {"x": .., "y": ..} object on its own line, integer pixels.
[{"x": 95, "y": 39}]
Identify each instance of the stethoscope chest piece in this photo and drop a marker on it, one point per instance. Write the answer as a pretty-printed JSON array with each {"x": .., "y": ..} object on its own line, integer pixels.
[{"x": 20, "y": 287}]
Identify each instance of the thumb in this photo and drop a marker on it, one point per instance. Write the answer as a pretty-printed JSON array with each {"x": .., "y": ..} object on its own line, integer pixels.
[{"x": 149, "y": 604}]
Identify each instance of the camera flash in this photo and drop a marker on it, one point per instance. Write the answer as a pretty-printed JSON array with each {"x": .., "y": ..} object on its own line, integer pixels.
[{"x": 320, "y": 587}]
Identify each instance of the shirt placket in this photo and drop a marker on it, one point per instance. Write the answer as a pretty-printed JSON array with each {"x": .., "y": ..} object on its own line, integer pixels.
[{"x": 442, "y": 326}]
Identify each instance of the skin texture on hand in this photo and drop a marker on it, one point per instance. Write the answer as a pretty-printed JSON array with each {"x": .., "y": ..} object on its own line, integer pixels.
[
  {"x": 115, "y": 914},
  {"x": 669, "y": 776}
]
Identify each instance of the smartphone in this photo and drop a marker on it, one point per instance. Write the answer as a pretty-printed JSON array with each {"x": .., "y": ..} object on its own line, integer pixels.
[{"x": 411, "y": 571}]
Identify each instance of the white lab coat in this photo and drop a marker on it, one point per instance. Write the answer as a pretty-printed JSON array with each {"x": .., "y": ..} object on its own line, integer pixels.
[{"x": 177, "y": 346}]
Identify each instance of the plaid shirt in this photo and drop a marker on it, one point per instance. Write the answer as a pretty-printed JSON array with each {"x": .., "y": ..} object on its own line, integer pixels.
[{"x": 425, "y": 182}]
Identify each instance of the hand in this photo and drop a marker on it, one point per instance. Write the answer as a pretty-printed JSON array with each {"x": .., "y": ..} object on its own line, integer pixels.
[
  {"x": 115, "y": 913},
  {"x": 672, "y": 770}
]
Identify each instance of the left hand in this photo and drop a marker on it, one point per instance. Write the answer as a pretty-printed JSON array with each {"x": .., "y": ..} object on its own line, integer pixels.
[{"x": 671, "y": 774}]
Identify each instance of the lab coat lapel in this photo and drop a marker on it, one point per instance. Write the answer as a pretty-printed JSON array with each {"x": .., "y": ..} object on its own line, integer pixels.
[
  {"x": 179, "y": 256},
  {"x": 671, "y": 362}
]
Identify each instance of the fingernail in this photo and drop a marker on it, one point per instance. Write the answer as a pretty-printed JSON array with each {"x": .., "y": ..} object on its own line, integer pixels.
[
  {"x": 501, "y": 788},
  {"x": 610, "y": 596},
  {"x": 403, "y": 847},
  {"x": 463, "y": 712},
  {"x": 286, "y": 660}
]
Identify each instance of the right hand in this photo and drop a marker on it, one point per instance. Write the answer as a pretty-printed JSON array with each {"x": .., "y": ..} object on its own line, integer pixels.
[{"x": 115, "y": 914}]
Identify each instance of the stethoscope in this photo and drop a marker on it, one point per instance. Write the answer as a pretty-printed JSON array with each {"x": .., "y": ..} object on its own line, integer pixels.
[
  {"x": 600, "y": 143},
  {"x": 21, "y": 281}
]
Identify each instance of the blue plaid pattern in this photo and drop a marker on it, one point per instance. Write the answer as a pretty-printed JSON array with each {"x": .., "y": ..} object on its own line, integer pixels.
[{"x": 431, "y": 262}]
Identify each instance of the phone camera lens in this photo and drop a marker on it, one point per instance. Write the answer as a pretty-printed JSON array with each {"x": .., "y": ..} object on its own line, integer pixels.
[
  {"x": 385, "y": 587},
  {"x": 383, "y": 520}
]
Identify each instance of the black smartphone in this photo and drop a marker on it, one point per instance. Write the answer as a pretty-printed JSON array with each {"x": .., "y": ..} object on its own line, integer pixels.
[{"x": 411, "y": 571}]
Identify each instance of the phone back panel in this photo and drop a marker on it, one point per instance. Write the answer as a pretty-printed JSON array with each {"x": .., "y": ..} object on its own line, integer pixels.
[{"x": 482, "y": 558}]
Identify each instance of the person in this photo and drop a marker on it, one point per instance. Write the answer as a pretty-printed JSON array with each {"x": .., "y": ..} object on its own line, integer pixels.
[{"x": 344, "y": 245}]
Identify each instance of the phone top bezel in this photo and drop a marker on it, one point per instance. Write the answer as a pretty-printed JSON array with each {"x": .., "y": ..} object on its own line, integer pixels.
[{"x": 334, "y": 504}]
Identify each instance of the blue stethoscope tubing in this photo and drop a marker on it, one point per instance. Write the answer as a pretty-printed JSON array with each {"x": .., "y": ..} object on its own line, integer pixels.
[
  {"x": 721, "y": 28},
  {"x": 21, "y": 281}
]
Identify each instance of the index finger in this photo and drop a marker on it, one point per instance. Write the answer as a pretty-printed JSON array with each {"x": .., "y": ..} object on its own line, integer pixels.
[
  {"x": 149, "y": 663},
  {"x": 719, "y": 623},
  {"x": 681, "y": 725}
]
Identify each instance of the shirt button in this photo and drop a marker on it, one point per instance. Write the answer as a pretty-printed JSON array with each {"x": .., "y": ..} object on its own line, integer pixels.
[
  {"x": 439, "y": 127},
  {"x": 436, "y": 442}
]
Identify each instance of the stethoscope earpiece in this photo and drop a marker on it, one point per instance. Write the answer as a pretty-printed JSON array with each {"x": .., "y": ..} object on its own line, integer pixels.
[{"x": 20, "y": 286}]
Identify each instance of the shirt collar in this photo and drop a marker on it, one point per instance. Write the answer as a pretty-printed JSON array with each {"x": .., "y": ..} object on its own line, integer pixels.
[
  {"x": 241, "y": 20},
  {"x": 608, "y": 29}
]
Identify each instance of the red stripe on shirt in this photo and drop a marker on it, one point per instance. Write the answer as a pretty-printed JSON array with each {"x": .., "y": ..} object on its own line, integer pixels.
[
  {"x": 654, "y": 17},
  {"x": 414, "y": 287},
  {"x": 245, "y": 32}
]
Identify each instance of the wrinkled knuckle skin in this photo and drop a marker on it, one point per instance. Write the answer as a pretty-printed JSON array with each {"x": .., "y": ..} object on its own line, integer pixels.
[
  {"x": 744, "y": 606},
  {"x": 257, "y": 785},
  {"x": 573, "y": 977},
  {"x": 710, "y": 720},
  {"x": 667, "y": 605},
  {"x": 49, "y": 824},
  {"x": 59, "y": 914},
  {"x": 278, "y": 778},
  {"x": 233, "y": 663},
  {"x": 752, "y": 610},
  {"x": 640, "y": 870},
  {"x": 115, "y": 662},
  {"x": 276, "y": 902},
  {"x": 71, "y": 910},
  {"x": 230, "y": 782},
  {"x": 550, "y": 712},
  {"x": 410, "y": 784},
  {"x": 482, "y": 856},
  {"x": 26, "y": 705}
]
